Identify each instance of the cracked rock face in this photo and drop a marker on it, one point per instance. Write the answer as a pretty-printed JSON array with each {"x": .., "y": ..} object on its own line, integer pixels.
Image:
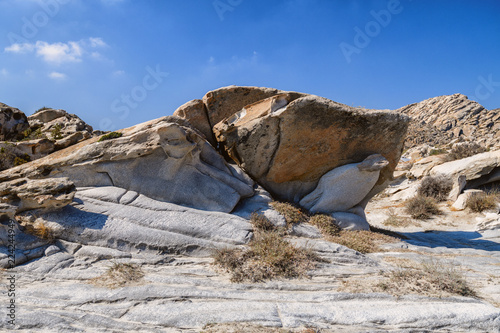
[
  {"x": 289, "y": 141},
  {"x": 160, "y": 159}
]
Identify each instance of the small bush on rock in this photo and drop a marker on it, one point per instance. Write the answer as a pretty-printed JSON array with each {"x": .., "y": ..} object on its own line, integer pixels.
[
  {"x": 481, "y": 201},
  {"x": 56, "y": 132},
  {"x": 109, "y": 136},
  {"x": 437, "y": 187},
  {"x": 43, "y": 108},
  {"x": 422, "y": 207},
  {"x": 292, "y": 214},
  {"x": 326, "y": 224},
  {"x": 260, "y": 222}
]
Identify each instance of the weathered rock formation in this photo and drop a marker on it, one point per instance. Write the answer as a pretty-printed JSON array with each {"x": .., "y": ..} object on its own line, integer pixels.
[
  {"x": 13, "y": 123},
  {"x": 160, "y": 159},
  {"x": 476, "y": 171},
  {"x": 438, "y": 120}
]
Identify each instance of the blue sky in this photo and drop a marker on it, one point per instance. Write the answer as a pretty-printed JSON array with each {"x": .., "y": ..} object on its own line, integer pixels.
[{"x": 116, "y": 63}]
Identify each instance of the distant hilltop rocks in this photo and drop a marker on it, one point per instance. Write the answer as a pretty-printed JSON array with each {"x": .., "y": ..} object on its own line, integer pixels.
[
  {"x": 439, "y": 120},
  {"x": 30, "y": 138}
]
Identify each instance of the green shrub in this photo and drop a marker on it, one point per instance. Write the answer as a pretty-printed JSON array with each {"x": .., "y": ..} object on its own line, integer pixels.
[
  {"x": 56, "y": 132},
  {"x": 480, "y": 201},
  {"x": 109, "y": 136},
  {"x": 437, "y": 187},
  {"x": 21, "y": 160},
  {"x": 42, "y": 109},
  {"x": 422, "y": 207},
  {"x": 437, "y": 151}
]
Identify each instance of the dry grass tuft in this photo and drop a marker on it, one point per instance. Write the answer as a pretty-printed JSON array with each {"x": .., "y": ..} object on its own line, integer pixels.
[
  {"x": 431, "y": 278},
  {"x": 40, "y": 230},
  {"x": 394, "y": 220},
  {"x": 260, "y": 222},
  {"x": 481, "y": 201},
  {"x": 292, "y": 214},
  {"x": 326, "y": 224},
  {"x": 269, "y": 256},
  {"x": 119, "y": 275},
  {"x": 422, "y": 207},
  {"x": 361, "y": 240},
  {"x": 437, "y": 187}
]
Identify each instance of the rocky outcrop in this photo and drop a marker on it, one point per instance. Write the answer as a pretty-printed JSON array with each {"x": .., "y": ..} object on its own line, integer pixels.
[
  {"x": 478, "y": 170},
  {"x": 58, "y": 125},
  {"x": 160, "y": 159},
  {"x": 438, "y": 120},
  {"x": 288, "y": 142},
  {"x": 13, "y": 123}
]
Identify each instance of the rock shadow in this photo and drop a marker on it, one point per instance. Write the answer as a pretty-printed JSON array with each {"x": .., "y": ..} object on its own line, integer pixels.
[
  {"x": 71, "y": 217},
  {"x": 451, "y": 240}
]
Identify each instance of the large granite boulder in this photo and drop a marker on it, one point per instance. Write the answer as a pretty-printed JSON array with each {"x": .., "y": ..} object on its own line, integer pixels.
[
  {"x": 289, "y": 141},
  {"x": 13, "y": 123},
  {"x": 163, "y": 159}
]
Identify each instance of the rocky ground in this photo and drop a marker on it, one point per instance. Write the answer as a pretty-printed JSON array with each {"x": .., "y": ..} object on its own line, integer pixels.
[{"x": 117, "y": 233}]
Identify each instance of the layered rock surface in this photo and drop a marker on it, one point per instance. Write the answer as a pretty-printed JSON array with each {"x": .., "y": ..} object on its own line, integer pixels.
[{"x": 438, "y": 120}]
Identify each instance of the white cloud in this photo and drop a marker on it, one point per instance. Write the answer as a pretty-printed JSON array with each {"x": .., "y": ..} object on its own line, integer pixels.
[
  {"x": 57, "y": 76},
  {"x": 58, "y": 53},
  {"x": 20, "y": 48},
  {"x": 97, "y": 42},
  {"x": 4, "y": 72},
  {"x": 119, "y": 73}
]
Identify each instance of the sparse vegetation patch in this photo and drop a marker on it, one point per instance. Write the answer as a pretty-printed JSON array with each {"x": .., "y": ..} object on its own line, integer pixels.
[
  {"x": 422, "y": 207},
  {"x": 109, "y": 136},
  {"x": 119, "y": 275},
  {"x": 292, "y": 214},
  {"x": 431, "y": 278},
  {"x": 464, "y": 150},
  {"x": 268, "y": 256},
  {"x": 437, "y": 187},
  {"x": 56, "y": 132},
  {"x": 481, "y": 201},
  {"x": 394, "y": 220}
]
